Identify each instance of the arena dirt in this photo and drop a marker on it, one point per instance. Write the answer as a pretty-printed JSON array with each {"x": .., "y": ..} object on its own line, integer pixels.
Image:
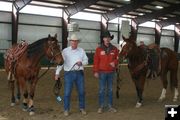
[{"x": 46, "y": 107}]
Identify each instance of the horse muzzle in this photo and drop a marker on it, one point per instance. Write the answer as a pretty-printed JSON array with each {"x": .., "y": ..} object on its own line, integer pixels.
[{"x": 61, "y": 63}]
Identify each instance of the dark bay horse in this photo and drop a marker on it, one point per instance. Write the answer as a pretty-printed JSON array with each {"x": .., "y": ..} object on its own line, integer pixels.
[
  {"x": 26, "y": 68},
  {"x": 138, "y": 66}
]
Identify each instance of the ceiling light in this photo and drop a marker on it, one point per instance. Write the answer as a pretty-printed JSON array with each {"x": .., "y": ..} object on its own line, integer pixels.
[
  {"x": 141, "y": 14},
  {"x": 164, "y": 18},
  {"x": 155, "y": 20},
  {"x": 159, "y": 7}
]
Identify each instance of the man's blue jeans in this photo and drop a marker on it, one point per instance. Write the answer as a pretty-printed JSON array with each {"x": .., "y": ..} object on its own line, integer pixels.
[
  {"x": 106, "y": 88},
  {"x": 76, "y": 77}
]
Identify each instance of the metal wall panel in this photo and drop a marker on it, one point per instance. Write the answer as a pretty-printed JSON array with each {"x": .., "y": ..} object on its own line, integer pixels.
[
  {"x": 146, "y": 30},
  {"x": 148, "y": 39},
  {"x": 87, "y": 24},
  {"x": 167, "y": 42},
  {"x": 89, "y": 39},
  {"x": 42, "y": 20},
  {"x": 5, "y": 17},
  {"x": 112, "y": 26},
  {"x": 33, "y": 33},
  {"x": 5, "y": 36},
  {"x": 168, "y": 32}
]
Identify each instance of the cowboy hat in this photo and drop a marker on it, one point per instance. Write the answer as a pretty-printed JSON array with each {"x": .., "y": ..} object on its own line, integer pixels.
[
  {"x": 74, "y": 37},
  {"x": 107, "y": 34}
]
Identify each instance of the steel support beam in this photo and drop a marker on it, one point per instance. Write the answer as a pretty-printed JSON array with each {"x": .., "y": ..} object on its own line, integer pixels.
[
  {"x": 15, "y": 18},
  {"x": 16, "y": 7},
  {"x": 158, "y": 31},
  {"x": 176, "y": 37},
  {"x": 78, "y": 6},
  {"x": 65, "y": 21}
]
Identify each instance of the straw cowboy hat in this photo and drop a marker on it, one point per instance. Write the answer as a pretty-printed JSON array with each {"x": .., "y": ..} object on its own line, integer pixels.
[
  {"x": 74, "y": 37},
  {"x": 107, "y": 34}
]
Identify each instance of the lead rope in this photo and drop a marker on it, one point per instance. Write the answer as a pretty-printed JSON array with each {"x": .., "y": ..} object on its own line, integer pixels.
[{"x": 58, "y": 85}]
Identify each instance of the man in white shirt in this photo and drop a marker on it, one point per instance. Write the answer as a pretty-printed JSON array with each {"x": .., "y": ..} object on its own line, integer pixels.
[{"x": 74, "y": 59}]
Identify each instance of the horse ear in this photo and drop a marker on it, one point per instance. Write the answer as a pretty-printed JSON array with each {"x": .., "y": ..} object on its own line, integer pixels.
[
  {"x": 49, "y": 36},
  {"x": 55, "y": 36},
  {"x": 123, "y": 38}
]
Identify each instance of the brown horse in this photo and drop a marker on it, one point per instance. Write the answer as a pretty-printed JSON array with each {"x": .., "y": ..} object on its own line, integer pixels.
[
  {"x": 26, "y": 68},
  {"x": 137, "y": 63}
]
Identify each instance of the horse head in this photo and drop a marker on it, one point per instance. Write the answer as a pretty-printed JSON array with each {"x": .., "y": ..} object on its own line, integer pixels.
[
  {"x": 53, "y": 50},
  {"x": 127, "y": 47}
]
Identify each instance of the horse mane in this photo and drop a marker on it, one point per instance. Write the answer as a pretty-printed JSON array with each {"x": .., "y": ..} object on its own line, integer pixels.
[{"x": 36, "y": 47}]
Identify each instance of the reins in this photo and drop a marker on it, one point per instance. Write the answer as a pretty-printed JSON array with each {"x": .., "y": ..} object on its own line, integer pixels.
[
  {"x": 44, "y": 72},
  {"x": 58, "y": 84}
]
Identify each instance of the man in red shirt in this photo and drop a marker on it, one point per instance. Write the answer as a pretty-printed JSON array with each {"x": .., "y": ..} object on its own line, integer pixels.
[{"x": 105, "y": 62}]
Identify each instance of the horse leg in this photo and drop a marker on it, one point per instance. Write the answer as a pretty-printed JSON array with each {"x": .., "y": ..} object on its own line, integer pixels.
[
  {"x": 22, "y": 84},
  {"x": 30, "y": 105},
  {"x": 18, "y": 96},
  {"x": 139, "y": 89},
  {"x": 12, "y": 93},
  {"x": 165, "y": 83},
  {"x": 174, "y": 83},
  {"x": 139, "y": 94}
]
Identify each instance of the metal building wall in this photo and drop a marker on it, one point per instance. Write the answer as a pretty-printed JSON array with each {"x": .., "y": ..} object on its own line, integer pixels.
[
  {"x": 89, "y": 34},
  {"x": 5, "y": 31},
  {"x": 34, "y": 27}
]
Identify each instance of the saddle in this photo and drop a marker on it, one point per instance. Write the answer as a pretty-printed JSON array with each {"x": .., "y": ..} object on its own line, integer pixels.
[{"x": 13, "y": 55}]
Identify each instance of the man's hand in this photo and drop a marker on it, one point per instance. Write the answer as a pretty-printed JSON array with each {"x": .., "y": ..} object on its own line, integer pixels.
[
  {"x": 79, "y": 63},
  {"x": 56, "y": 77},
  {"x": 96, "y": 74},
  {"x": 112, "y": 64}
]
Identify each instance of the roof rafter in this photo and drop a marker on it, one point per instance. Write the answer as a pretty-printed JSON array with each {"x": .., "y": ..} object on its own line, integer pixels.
[
  {"x": 125, "y": 9},
  {"x": 19, "y": 4},
  {"x": 170, "y": 21},
  {"x": 79, "y": 6},
  {"x": 150, "y": 16}
]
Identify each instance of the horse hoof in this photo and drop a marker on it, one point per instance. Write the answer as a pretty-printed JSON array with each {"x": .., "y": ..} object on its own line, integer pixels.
[
  {"x": 31, "y": 113},
  {"x": 24, "y": 107},
  {"x": 174, "y": 99},
  {"x": 12, "y": 104},
  {"x": 17, "y": 100},
  {"x": 138, "y": 105}
]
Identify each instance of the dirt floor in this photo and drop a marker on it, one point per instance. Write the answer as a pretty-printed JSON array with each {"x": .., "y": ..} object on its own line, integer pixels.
[{"x": 46, "y": 107}]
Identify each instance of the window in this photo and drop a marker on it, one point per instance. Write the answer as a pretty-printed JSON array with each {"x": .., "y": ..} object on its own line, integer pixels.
[
  {"x": 170, "y": 27},
  {"x": 5, "y": 6},
  {"x": 87, "y": 16},
  {"x": 120, "y": 20},
  {"x": 148, "y": 24},
  {"x": 39, "y": 10}
]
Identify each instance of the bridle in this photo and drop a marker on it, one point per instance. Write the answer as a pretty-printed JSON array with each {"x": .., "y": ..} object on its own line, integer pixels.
[{"x": 53, "y": 52}]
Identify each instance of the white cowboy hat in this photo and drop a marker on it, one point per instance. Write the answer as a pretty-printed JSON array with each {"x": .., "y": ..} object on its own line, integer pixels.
[{"x": 74, "y": 37}]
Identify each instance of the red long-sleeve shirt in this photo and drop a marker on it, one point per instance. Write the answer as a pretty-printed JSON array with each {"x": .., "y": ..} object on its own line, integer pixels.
[{"x": 102, "y": 60}]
